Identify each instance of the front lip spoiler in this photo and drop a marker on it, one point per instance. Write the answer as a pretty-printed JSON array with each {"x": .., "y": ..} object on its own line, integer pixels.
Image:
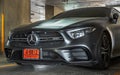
[
  {"x": 53, "y": 62},
  {"x": 84, "y": 63}
]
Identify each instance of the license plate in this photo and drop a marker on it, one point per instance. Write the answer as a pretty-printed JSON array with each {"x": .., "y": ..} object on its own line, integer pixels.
[{"x": 31, "y": 54}]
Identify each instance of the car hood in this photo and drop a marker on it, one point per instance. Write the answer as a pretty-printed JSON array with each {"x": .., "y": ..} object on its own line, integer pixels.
[
  {"x": 60, "y": 23},
  {"x": 55, "y": 24}
]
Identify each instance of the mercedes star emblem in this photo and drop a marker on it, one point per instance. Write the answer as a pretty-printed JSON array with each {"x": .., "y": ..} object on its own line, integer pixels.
[{"x": 32, "y": 39}]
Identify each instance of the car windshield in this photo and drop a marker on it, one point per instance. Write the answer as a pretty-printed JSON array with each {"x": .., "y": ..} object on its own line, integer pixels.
[{"x": 85, "y": 12}]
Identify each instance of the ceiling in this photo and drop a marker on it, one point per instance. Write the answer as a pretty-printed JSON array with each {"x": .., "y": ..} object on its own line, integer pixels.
[
  {"x": 68, "y": 4},
  {"x": 78, "y": 3},
  {"x": 60, "y": 2}
]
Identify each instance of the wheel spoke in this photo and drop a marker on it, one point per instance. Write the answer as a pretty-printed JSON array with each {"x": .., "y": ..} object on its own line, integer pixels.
[
  {"x": 104, "y": 53},
  {"x": 105, "y": 48}
]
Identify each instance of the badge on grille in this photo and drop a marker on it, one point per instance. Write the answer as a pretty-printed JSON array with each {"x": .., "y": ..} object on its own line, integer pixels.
[{"x": 32, "y": 39}]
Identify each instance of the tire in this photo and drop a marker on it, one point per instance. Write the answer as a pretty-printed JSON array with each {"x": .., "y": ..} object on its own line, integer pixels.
[{"x": 104, "y": 52}]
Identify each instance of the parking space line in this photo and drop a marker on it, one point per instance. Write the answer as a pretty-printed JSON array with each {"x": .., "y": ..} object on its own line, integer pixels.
[{"x": 8, "y": 65}]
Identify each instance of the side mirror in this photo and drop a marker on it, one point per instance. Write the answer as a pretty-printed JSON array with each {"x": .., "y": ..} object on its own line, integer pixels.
[{"x": 115, "y": 18}]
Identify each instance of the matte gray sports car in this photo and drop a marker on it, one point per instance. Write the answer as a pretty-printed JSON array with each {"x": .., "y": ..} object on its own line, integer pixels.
[{"x": 86, "y": 36}]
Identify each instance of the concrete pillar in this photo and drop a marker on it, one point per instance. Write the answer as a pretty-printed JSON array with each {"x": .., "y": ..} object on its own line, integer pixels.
[
  {"x": 17, "y": 12},
  {"x": 57, "y": 10},
  {"x": 49, "y": 11},
  {"x": 25, "y": 11}
]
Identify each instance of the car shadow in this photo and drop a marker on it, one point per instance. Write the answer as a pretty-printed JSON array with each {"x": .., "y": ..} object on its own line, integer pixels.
[
  {"x": 114, "y": 65},
  {"x": 115, "y": 62}
]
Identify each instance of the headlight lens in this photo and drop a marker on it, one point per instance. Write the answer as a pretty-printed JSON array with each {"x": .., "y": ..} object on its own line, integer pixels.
[{"x": 77, "y": 33}]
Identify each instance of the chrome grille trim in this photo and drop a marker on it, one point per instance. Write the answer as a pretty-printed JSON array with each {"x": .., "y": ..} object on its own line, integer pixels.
[
  {"x": 55, "y": 36},
  {"x": 50, "y": 38},
  {"x": 40, "y": 39}
]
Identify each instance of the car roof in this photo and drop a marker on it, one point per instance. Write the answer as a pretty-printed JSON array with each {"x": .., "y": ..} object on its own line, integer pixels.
[
  {"x": 92, "y": 8},
  {"x": 101, "y": 11}
]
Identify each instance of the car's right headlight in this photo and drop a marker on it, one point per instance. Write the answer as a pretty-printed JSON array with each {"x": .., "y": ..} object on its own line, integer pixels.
[{"x": 80, "y": 32}]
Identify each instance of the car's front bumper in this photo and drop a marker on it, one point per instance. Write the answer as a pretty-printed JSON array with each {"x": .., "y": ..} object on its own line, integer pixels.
[
  {"x": 80, "y": 51},
  {"x": 77, "y": 55}
]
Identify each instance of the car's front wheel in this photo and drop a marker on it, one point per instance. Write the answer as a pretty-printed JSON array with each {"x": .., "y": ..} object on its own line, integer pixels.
[{"x": 104, "y": 52}]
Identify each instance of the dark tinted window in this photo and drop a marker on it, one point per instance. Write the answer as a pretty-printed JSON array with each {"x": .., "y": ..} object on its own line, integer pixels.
[{"x": 86, "y": 12}]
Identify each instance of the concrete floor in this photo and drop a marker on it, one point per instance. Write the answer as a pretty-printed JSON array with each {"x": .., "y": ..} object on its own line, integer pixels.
[{"x": 13, "y": 69}]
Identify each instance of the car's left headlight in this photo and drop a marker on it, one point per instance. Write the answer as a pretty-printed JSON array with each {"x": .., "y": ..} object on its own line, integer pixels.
[{"x": 80, "y": 32}]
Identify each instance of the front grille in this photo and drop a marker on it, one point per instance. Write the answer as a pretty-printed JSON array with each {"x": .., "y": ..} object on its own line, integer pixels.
[
  {"x": 48, "y": 38},
  {"x": 43, "y": 36}
]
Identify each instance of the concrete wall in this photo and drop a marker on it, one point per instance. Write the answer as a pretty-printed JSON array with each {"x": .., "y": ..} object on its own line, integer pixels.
[{"x": 17, "y": 13}]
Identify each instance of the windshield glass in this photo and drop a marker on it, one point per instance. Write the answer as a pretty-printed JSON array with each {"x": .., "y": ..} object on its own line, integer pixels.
[
  {"x": 60, "y": 23},
  {"x": 85, "y": 12}
]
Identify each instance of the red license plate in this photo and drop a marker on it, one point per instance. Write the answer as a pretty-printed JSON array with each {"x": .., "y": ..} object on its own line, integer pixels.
[{"x": 31, "y": 53}]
